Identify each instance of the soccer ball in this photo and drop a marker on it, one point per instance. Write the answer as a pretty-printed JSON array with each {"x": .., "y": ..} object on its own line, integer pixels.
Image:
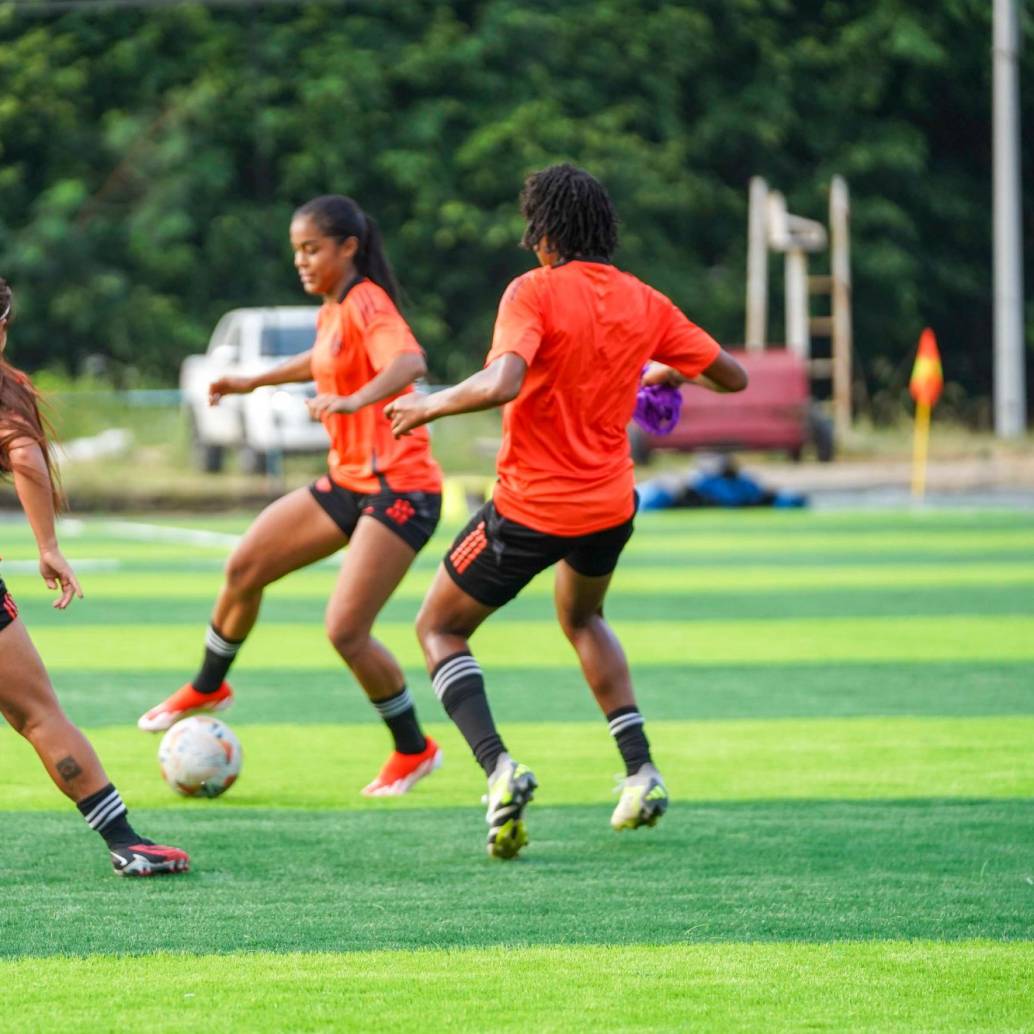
[{"x": 200, "y": 757}]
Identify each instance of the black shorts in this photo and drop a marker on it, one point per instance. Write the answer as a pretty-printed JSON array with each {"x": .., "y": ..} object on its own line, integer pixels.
[
  {"x": 413, "y": 516},
  {"x": 8, "y": 610},
  {"x": 493, "y": 558}
]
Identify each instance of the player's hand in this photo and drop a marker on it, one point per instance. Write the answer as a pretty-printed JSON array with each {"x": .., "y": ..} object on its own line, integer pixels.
[
  {"x": 407, "y": 412},
  {"x": 58, "y": 574},
  {"x": 228, "y": 386},
  {"x": 321, "y": 405},
  {"x": 658, "y": 373}
]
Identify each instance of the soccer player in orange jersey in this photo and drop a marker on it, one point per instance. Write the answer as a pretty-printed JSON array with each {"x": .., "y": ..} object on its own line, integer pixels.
[
  {"x": 380, "y": 495},
  {"x": 570, "y": 343},
  {"x": 27, "y": 700}
]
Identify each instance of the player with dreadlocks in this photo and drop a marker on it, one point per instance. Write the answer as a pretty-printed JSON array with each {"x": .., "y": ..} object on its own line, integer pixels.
[
  {"x": 27, "y": 700},
  {"x": 570, "y": 343}
]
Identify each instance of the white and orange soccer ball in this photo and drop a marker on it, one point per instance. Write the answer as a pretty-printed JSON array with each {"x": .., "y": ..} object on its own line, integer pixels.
[{"x": 200, "y": 757}]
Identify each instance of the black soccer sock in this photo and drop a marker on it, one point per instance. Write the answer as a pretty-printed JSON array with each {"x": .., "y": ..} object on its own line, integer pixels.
[
  {"x": 399, "y": 714},
  {"x": 219, "y": 655},
  {"x": 460, "y": 686},
  {"x": 626, "y": 726},
  {"x": 105, "y": 813}
]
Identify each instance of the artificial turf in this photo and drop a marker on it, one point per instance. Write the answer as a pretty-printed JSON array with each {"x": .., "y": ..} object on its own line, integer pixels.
[
  {"x": 889, "y": 986},
  {"x": 842, "y": 704}
]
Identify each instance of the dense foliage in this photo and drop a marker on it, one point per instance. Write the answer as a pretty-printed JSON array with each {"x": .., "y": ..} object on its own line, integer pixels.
[{"x": 150, "y": 160}]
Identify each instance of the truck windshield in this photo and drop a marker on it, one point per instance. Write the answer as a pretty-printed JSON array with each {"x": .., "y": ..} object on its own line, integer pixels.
[{"x": 287, "y": 340}]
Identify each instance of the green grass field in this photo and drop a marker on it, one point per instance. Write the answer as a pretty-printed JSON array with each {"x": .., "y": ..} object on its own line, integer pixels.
[{"x": 842, "y": 704}]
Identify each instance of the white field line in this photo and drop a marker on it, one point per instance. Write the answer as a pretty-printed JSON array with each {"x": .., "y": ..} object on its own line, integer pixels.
[
  {"x": 142, "y": 531},
  {"x": 84, "y": 564}
]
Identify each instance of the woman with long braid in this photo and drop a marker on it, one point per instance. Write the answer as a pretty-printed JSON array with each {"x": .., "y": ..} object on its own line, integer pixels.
[{"x": 27, "y": 700}]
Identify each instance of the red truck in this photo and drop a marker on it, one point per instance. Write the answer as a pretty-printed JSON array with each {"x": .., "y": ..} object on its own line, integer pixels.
[{"x": 774, "y": 414}]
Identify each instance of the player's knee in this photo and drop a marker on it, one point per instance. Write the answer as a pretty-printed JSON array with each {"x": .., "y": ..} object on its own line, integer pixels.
[
  {"x": 244, "y": 574},
  {"x": 29, "y": 722},
  {"x": 576, "y": 622},
  {"x": 429, "y": 625},
  {"x": 347, "y": 638}
]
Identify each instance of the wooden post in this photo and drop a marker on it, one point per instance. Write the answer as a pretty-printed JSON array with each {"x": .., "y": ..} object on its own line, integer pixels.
[
  {"x": 840, "y": 269},
  {"x": 798, "y": 339},
  {"x": 757, "y": 266}
]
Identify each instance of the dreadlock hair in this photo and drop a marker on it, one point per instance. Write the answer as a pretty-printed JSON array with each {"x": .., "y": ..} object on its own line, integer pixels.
[
  {"x": 339, "y": 218},
  {"x": 572, "y": 209},
  {"x": 20, "y": 415}
]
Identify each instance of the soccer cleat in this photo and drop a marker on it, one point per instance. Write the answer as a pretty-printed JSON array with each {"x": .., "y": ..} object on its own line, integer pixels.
[
  {"x": 185, "y": 701},
  {"x": 510, "y": 788},
  {"x": 401, "y": 772},
  {"x": 147, "y": 859},
  {"x": 644, "y": 800}
]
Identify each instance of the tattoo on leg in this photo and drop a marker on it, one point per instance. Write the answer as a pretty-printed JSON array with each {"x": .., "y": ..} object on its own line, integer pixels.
[{"x": 69, "y": 768}]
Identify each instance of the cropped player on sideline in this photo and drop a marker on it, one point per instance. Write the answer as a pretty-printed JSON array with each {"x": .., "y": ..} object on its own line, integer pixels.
[
  {"x": 27, "y": 699},
  {"x": 571, "y": 339},
  {"x": 380, "y": 496}
]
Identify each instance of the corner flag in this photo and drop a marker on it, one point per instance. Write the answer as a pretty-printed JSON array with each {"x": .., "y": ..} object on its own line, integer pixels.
[
  {"x": 927, "y": 377},
  {"x": 925, "y": 386}
]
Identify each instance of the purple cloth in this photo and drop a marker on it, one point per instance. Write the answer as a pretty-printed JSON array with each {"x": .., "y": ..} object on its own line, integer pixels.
[{"x": 657, "y": 408}]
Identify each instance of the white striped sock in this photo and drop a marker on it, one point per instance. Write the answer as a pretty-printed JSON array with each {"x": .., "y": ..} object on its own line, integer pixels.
[
  {"x": 108, "y": 809},
  {"x": 395, "y": 705},
  {"x": 217, "y": 644},
  {"x": 453, "y": 670},
  {"x": 625, "y": 721}
]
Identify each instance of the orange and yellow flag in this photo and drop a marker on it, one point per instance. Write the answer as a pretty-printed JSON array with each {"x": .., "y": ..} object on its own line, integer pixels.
[{"x": 927, "y": 377}]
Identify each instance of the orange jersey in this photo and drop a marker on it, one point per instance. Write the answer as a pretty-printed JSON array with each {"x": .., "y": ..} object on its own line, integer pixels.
[
  {"x": 585, "y": 329},
  {"x": 356, "y": 339}
]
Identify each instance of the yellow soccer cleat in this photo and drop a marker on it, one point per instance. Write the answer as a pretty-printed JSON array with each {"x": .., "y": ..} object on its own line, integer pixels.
[
  {"x": 510, "y": 789},
  {"x": 644, "y": 800}
]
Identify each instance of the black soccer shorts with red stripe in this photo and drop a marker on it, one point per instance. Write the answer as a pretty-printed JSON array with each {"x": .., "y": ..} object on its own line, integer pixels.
[
  {"x": 493, "y": 558},
  {"x": 8, "y": 608}
]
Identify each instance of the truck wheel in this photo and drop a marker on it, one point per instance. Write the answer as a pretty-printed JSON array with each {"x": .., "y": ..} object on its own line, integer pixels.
[
  {"x": 640, "y": 445},
  {"x": 820, "y": 430},
  {"x": 253, "y": 461},
  {"x": 205, "y": 457}
]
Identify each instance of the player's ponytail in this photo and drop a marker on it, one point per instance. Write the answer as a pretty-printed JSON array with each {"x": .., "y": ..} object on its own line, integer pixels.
[
  {"x": 20, "y": 415},
  {"x": 339, "y": 218}
]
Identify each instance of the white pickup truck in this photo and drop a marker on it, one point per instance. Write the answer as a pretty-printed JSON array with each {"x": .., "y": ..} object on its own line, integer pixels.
[{"x": 267, "y": 422}]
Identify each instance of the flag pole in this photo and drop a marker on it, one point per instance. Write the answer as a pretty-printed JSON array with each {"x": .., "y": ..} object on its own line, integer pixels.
[{"x": 920, "y": 444}]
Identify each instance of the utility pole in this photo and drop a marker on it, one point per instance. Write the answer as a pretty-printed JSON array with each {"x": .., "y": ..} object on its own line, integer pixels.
[{"x": 1010, "y": 402}]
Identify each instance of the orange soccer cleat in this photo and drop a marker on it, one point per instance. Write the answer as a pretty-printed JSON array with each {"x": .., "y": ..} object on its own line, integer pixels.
[
  {"x": 402, "y": 771},
  {"x": 185, "y": 701}
]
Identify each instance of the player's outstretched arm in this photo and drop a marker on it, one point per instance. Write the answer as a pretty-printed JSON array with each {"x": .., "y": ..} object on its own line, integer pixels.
[
  {"x": 723, "y": 375},
  {"x": 296, "y": 369},
  {"x": 36, "y": 494},
  {"x": 495, "y": 385},
  {"x": 398, "y": 374}
]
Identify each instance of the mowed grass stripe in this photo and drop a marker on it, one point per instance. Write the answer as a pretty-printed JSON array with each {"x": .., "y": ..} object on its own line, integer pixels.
[
  {"x": 972, "y": 518},
  {"x": 324, "y": 766},
  {"x": 685, "y": 546},
  {"x": 920, "y": 985},
  {"x": 621, "y": 606},
  {"x": 316, "y": 583},
  {"x": 560, "y": 694},
  {"x": 348, "y": 881},
  {"x": 540, "y": 644}
]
